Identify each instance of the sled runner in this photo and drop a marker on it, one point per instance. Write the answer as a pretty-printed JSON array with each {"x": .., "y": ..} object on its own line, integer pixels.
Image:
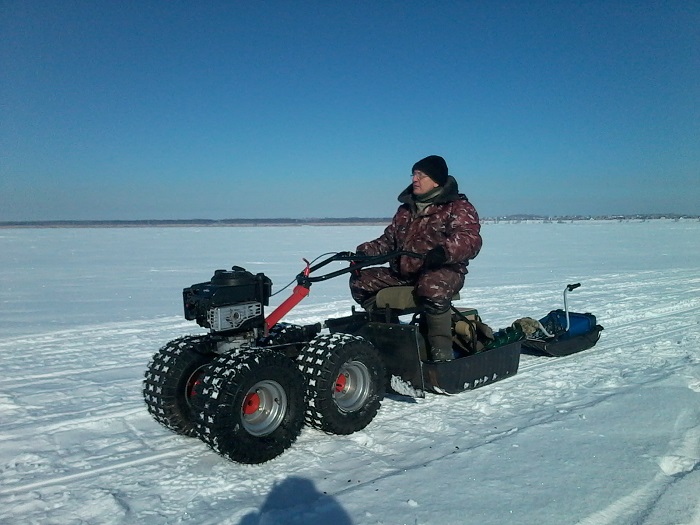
[{"x": 562, "y": 332}]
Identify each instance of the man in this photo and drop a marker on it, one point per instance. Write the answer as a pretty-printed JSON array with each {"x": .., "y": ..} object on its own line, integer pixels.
[{"x": 436, "y": 220}]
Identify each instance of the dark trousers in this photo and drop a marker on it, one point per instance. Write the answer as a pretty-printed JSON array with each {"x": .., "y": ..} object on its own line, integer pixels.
[{"x": 434, "y": 288}]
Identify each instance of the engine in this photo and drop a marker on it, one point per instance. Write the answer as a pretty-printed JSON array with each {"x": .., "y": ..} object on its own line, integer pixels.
[{"x": 231, "y": 302}]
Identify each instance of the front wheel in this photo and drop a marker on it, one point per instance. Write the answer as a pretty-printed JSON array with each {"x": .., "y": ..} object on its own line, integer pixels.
[
  {"x": 251, "y": 405},
  {"x": 345, "y": 382},
  {"x": 168, "y": 386}
]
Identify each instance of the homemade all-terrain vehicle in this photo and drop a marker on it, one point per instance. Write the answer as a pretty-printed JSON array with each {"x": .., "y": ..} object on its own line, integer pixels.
[{"x": 247, "y": 386}]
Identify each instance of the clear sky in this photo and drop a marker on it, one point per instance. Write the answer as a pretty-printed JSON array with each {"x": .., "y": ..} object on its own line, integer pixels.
[{"x": 178, "y": 110}]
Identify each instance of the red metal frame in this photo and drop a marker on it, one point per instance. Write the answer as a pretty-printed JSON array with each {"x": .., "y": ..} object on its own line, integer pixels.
[{"x": 300, "y": 291}]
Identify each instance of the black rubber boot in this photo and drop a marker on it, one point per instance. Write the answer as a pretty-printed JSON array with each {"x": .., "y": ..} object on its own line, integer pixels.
[{"x": 440, "y": 335}]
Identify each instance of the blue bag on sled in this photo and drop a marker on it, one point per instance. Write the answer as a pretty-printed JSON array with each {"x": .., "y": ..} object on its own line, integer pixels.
[
  {"x": 579, "y": 324},
  {"x": 563, "y": 332}
]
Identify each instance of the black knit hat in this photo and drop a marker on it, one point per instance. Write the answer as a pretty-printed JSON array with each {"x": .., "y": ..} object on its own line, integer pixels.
[{"x": 434, "y": 167}]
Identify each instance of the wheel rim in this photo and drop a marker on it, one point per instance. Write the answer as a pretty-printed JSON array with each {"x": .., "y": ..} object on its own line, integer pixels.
[
  {"x": 264, "y": 407},
  {"x": 192, "y": 382},
  {"x": 352, "y": 387}
]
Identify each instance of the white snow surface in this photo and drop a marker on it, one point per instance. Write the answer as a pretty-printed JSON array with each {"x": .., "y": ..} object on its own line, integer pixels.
[{"x": 608, "y": 436}]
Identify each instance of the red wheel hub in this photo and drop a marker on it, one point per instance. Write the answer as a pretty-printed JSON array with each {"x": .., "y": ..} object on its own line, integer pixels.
[
  {"x": 195, "y": 380},
  {"x": 251, "y": 404},
  {"x": 340, "y": 383}
]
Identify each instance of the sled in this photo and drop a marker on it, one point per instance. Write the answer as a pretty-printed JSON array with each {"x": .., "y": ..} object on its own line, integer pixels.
[
  {"x": 563, "y": 333},
  {"x": 409, "y": 370}
]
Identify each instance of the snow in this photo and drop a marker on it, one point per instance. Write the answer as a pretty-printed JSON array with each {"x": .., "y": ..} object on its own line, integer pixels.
[{"x": 606, "y": 437}]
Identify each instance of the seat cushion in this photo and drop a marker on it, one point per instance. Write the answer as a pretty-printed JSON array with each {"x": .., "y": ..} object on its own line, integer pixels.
[{"x": 399, "y": 298}]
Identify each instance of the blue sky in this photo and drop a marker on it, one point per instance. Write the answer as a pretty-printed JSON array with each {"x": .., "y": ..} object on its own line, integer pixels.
[{"x": 177, "y": 110}]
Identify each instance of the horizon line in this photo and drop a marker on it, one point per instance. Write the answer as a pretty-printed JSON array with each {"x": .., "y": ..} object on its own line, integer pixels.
[{"x": 317, "y": 220}]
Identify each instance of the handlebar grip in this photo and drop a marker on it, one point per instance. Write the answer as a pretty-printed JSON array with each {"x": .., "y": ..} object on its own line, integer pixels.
[{"x": 571, "y": 287}]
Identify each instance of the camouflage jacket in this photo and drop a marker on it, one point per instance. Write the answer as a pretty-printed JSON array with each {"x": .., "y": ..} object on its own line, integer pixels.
[{"x": 449, "y": 221}]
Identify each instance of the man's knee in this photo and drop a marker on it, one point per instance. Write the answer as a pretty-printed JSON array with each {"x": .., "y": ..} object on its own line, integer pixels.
[
  {"x": 365, "y": 284},
  {"x": 440, "y": 285},
  {"x": 434, "y": 305}
]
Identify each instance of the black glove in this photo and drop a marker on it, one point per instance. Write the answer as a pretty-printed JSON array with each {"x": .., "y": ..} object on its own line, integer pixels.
[
  {"x": 353, "y": 263},
  {"x": 435, "y": 258}
]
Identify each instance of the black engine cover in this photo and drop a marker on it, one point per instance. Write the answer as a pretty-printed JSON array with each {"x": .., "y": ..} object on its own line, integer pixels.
[{"x": 226, "y": 288}]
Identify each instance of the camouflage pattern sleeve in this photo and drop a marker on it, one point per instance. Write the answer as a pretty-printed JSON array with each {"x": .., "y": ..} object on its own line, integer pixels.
[{"x": 463, "y": 240}]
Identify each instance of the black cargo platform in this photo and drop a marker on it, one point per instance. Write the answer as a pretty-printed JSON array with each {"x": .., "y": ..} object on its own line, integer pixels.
[{"x": 411, "y": 373}]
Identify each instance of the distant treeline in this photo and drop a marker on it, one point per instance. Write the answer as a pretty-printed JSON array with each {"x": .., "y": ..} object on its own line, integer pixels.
[
  {"x": 191, "y": 222},
  {"x": 315, "y": 222},
  {"x": 551, "y": 218}
]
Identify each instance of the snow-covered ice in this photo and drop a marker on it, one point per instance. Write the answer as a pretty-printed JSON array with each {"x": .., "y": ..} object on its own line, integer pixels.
[{"x": 609, "y": 436}]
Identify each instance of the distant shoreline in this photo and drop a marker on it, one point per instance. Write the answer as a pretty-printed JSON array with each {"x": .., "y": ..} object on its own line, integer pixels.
[
  {"x": 198, "y": 223},
  {"x": 342, "y": 221}
]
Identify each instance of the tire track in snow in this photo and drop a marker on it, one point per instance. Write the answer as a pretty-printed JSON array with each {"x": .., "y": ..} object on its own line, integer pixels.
[
  {"x": 122, "y": 327},
  {"x": 63, "y": 421},
  {"x": 135, "y": 461},
  {"x": 682, "y": 458},
  {"x": 44, "y": 378}
]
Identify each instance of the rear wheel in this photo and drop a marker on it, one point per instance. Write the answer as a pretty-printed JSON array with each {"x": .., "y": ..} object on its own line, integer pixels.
[
  {"x": 251, "y": 405},
  {"x": 345, "y": 382},
  {"x": 168, "y": 387}
]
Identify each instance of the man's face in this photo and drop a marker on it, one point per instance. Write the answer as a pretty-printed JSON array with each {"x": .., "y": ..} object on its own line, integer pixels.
[{"x": 422, "y": 184}]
